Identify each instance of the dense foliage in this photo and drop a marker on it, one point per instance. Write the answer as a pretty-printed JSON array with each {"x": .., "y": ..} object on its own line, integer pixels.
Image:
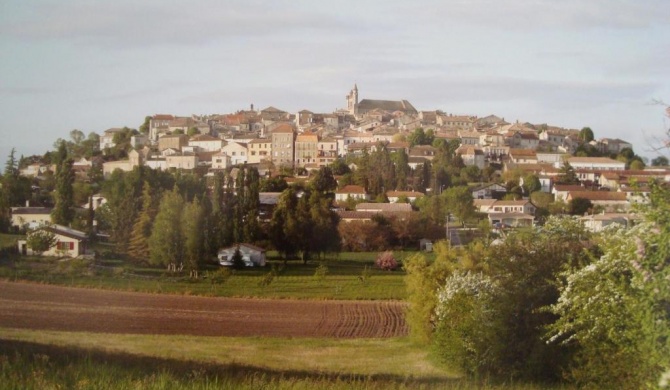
[{"x": 553, "y": 302}]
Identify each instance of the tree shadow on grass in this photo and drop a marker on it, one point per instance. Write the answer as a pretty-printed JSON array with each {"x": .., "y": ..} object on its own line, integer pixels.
[{"x": 138, "y": 365}]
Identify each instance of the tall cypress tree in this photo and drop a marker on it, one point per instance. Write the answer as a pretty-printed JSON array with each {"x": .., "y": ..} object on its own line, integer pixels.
[
  {"x": 251, "y": 205},
  {"x": 63, "y": 212}
]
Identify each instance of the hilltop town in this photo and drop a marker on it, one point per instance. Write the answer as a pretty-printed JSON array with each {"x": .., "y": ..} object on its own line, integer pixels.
[
  {"x": 494, "y": 157},
  {"x": 510, "y": 212}
]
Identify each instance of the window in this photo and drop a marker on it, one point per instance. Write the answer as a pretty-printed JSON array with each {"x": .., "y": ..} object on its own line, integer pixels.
[{"x": 64, "y": 246}]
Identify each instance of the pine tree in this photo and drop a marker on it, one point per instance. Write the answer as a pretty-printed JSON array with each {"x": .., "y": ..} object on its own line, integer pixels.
[{"x": 138, "y": 248}]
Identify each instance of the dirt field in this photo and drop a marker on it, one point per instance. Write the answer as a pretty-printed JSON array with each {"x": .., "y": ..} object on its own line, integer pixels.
[{"x": 38, "y": 306}]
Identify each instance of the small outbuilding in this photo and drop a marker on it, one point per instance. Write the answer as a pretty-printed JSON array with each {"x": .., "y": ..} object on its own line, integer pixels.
[{"x": 425, "y": 245}]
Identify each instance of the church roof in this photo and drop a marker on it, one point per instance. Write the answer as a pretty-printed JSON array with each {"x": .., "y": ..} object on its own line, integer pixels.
[{"x": 387, "y": 105}]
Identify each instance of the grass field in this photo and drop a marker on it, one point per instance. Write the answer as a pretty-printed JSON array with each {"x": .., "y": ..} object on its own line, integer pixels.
[
  {"x": 44, "y": 359},
  {"x": 349, "y": 276}
]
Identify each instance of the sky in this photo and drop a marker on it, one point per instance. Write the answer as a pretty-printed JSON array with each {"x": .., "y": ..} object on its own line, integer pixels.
[{"x": 92, "y": 65}]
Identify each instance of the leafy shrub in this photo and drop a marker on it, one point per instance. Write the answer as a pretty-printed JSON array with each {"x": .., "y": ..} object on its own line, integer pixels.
[
  {"x": 219, "y": 276},
  {"x": 320, "y": 273},
  {"x": 386, "y": 261}
]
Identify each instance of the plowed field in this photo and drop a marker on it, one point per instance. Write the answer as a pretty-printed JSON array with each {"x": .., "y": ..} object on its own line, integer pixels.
[{"x": 36, "y": 306}]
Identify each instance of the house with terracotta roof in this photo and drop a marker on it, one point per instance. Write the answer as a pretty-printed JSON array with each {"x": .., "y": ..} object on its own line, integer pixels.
[
  {"x": 351, "y": 191},
  {"x": 425, "y": 151},
  {"x": 523, "y": 156},
  {"x": 385, "y": 207},
  {"x": 561, "y": 191}
]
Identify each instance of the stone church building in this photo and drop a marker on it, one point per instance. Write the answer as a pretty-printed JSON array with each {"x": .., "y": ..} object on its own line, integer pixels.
[{"x": 358, "y": 108}]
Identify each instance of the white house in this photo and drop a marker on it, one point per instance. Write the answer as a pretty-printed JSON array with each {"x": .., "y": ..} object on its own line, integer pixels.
[
  {"x": 595, "y": 163},
  {"x": 30, "y": 217},
  {"x": 206, "y": 142},
  {"x": 236, "y": 151},
  {"x": 394, "y": 196},
  {"x": 351, "y": 191},
  {"x": 252, "y": 256},
  {"x": 69, "y": 242},
  {"x": 489, "y": 191}
]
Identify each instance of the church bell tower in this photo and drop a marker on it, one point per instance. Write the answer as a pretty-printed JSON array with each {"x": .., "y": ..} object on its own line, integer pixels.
[{"x": 352, "y": 101}]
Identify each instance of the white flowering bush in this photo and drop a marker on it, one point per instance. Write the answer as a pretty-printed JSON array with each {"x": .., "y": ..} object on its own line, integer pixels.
[
  {"x": 615, "y": 311},
  {"x": 466, "y": 326}
]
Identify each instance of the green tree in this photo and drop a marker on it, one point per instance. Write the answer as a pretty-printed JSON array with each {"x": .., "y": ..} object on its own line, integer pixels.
[
  {"x": 459, "y": 202},
  {"x": 192, "y": 220},
  {"x": 63, "y": 212},
  {"x": 567, "y": 174},
  {"x": 614, "y": 310},
  {"x": 285, "y": 226},
  {"x": 660, "y": 161},
  {"x": 166, "y": 243},
  {"x": 531, "y": 183},
  {"x": 402, "y": 169},
  {"x": 138, "y": 248},
  {"x": 579, "y": 206},
  {"x": 41, "y": 240},
  {"x": 144, "y": 127},
  {"x": 466, "y": 333},
  {"x": 586, "y": 134},
  {"x": 324, "y": 181},
  {"x": 339, "y": 167}
]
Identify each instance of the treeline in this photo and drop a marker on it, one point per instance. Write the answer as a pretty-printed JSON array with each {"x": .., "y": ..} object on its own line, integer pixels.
[{"x": 552, "y": 303}]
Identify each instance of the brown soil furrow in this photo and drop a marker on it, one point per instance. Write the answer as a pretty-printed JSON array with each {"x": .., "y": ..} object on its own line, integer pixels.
[{"x": 37, "y": 306}]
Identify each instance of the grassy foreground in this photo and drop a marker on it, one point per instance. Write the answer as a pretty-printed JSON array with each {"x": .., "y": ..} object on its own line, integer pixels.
[{"x": 47, "y": 359}]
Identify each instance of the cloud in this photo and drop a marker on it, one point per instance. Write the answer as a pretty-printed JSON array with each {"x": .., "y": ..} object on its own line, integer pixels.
[
  {"x": 527, "y": 15},
  {"x": 137, "y": 24}
]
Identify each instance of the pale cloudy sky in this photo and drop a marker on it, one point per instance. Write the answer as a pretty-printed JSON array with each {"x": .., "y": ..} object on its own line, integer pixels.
[{"x": 92, "y": 65}]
